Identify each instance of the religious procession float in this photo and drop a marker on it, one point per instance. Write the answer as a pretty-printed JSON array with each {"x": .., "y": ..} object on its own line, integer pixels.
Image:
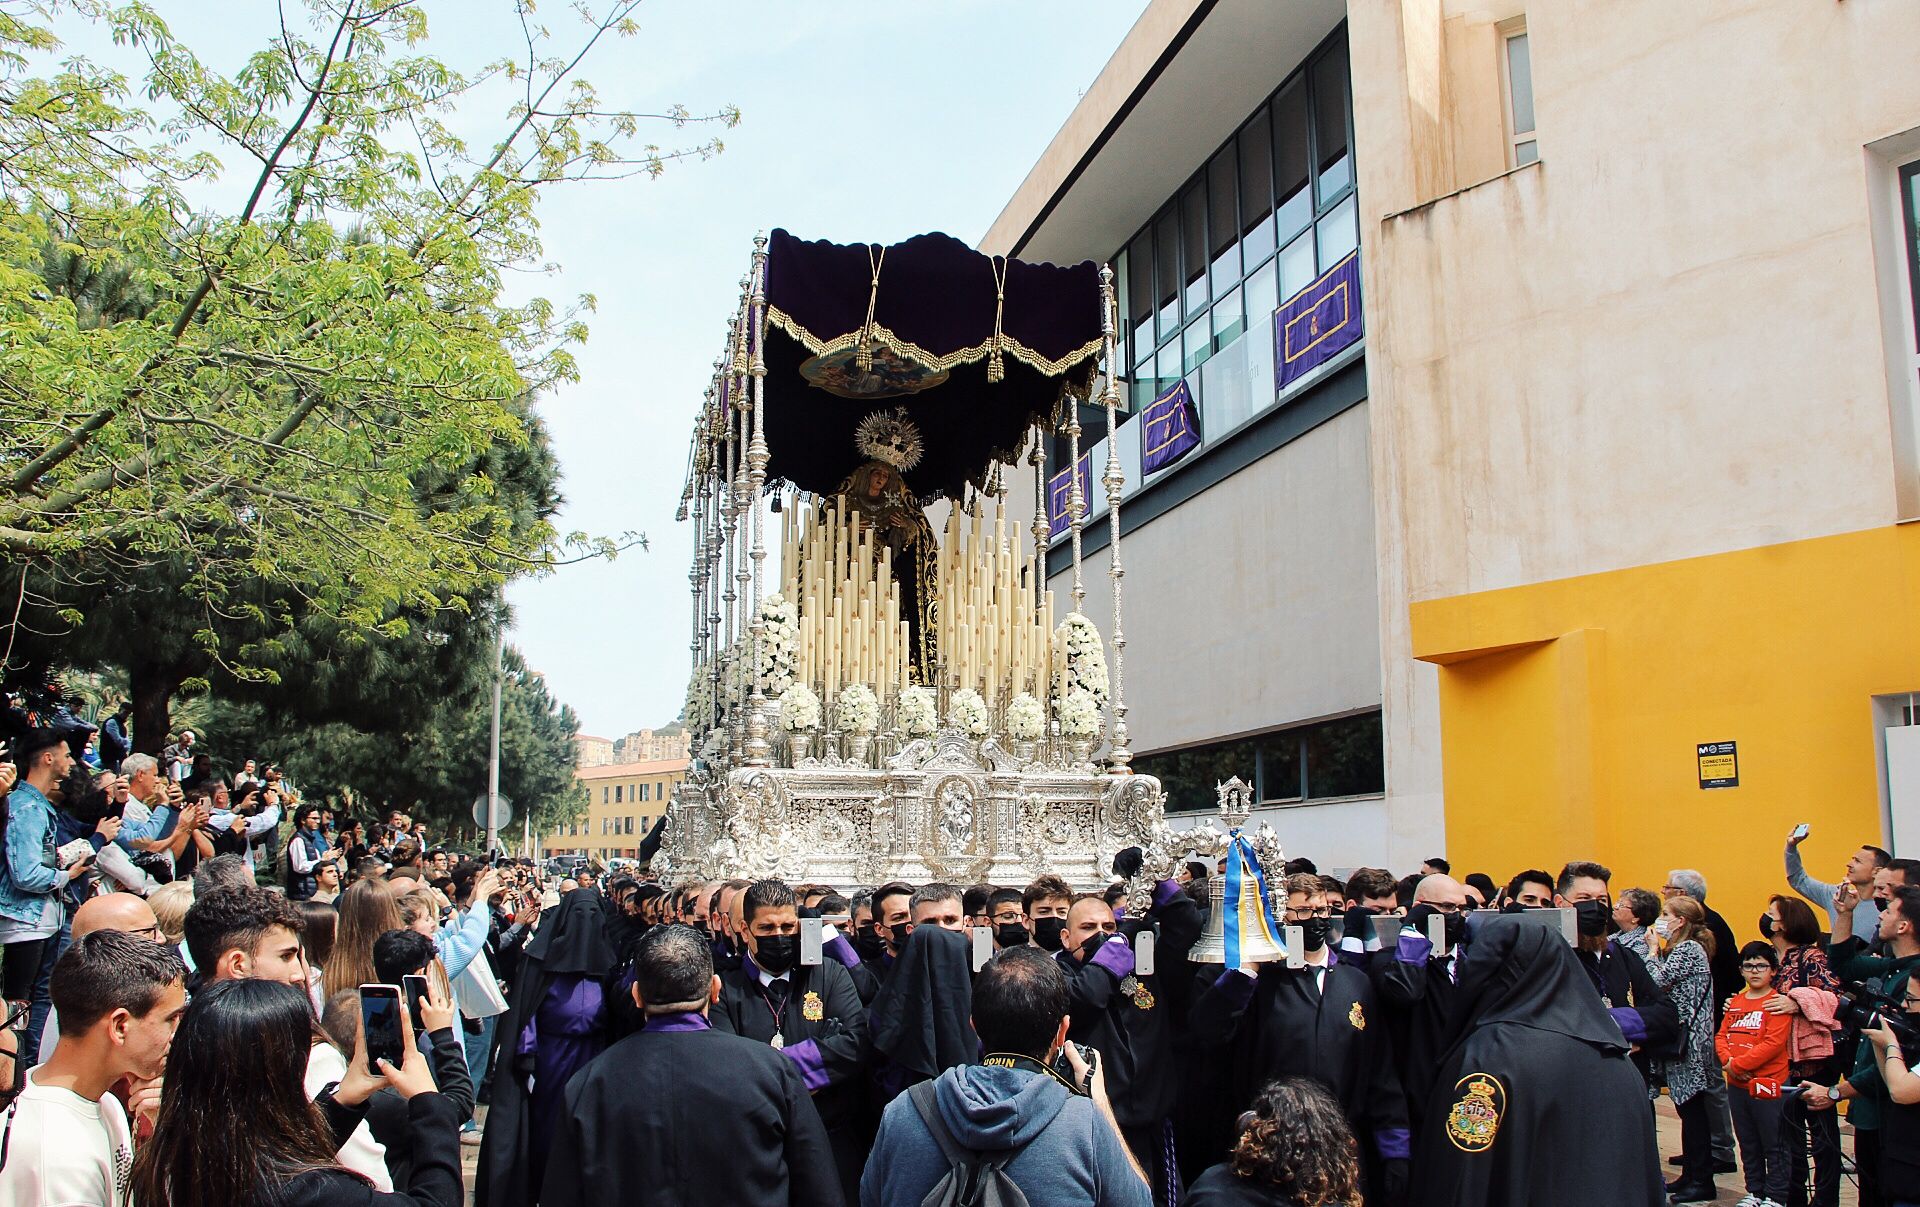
[{"x": 898, "y": 696}]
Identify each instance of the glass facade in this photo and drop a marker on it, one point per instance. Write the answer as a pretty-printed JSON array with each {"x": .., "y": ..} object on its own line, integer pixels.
[
  {"x": 1263, "y": 216},
  {"x": 1323, "y": 761}
]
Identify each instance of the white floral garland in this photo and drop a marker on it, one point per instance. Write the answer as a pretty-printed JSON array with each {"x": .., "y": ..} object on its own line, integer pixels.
[
  {"x": 699, "y": 706},
  {"x": 1079, "y": 714},
  {"x": 1079, "y": 660},
  {"x": 1026, "y": 719},
  {"x": 779, "y": 639},
  {"x": 968, "y": 713},
  {"x": 917, "y": 712},
  {"x": 799, "y": 709},
  {"x": 857, "y": 710}
]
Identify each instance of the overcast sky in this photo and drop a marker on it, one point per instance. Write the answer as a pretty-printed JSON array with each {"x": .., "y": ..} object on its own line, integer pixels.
[{"x": 862, "y": 121}]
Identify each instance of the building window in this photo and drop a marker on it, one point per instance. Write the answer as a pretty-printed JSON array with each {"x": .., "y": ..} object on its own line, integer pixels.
[
  {"x": 1910, "y": 227},
  {"x": 644, "y": 791},
  {"x": 1328, "y": 760},
  {"x": 1260, "y": 218},
  {"x": 616, "y": 793},
  {"x": 603, "y": 793},
  {"x": 1516, "y": 57}
]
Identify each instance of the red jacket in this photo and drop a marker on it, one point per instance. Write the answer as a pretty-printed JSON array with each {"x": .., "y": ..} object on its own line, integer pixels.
[{"x": 1753, "y": 1043}]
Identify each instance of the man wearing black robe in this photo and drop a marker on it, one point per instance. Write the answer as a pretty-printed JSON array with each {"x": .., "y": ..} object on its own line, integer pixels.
[
  {"x": 684, "y": 1115},
  {"x": 1321, "y": 1021},
  {"x": 1417, "y": 984},
  {"x": 1128, "y": 1018},
  {"x": 809, "y": 1014},
  {"x": 1535, "y": 1100},
  {"x": 1643, "y": 1011}
]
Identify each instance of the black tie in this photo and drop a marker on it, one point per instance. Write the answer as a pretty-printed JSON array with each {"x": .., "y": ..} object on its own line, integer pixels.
[{"x": 778, "y": 987}]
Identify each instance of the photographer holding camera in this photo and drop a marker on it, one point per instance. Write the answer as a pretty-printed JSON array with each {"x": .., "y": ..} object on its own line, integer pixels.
[
  {"x": 1018, "y": 1117},
  {"x": 1875, "y": 1149},
  {"x": 1896, "y": 1052}
]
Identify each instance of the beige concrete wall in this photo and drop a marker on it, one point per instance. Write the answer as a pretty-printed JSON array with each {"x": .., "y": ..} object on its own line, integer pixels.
[
  {"x": 1252, "y": 605},
  {"x": 1663, "y": 340}
]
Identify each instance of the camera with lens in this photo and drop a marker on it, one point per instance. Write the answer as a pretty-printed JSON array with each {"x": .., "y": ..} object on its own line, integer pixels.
[{"x": 1862, "y": 1008}]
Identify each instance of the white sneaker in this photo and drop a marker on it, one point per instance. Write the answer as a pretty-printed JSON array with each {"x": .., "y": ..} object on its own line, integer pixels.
[{"x": 1751, "y": 1201}]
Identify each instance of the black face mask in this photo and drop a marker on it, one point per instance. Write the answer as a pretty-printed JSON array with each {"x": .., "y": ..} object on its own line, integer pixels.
[
  {"x": 1766, "y": 926},
  {"x": 776, "y": 953},
  {"x": 866, "y": 941},
  {"x": 900, "y": 932},
  {"x": 1010, "y": 934},
  {"x": 1313, "y": 932},
  {"x": 1047, "y": 932},
  {"x": 1593, "y": 917},
  {"x": 1456, "y": 929}
]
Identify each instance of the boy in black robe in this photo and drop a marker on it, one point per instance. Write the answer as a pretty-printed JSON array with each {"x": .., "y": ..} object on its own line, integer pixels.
[
  {"x": 1321, "y": 1021},
  {"x": 1535, "y": 1100},
  {"x": 809, "y": 1014},
  {"x": 681, "y": 1114}
]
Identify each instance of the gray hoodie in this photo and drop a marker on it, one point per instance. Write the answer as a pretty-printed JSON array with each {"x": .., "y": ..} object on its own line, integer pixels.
[{"x": 1071, "y": 1155}]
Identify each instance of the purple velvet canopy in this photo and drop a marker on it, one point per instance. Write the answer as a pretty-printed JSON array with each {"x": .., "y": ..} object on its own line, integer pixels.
[{"x": 975, "y": 348}]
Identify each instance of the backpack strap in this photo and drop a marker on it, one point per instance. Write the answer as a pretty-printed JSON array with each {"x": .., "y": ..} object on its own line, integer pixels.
[{"x": 921, "y": 1096}]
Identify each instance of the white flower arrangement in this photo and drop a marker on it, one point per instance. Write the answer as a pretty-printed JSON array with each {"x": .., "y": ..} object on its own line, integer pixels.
[
  {"x": 917, "y": 712},
  {"x": 857, "y": 710},
  {"x": 779, "y": 638},
  {"x": 1079, "y": 660},
  {"x": 699, "y": 707},
  {"x": 1026, "y": 719},
  {"x": 799, "y": 709},
  {"x": 1079, "y": 714},
  {"x": 968, "y": 713}
]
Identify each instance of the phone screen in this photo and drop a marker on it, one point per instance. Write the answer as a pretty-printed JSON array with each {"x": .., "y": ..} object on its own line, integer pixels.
[
  {"x": 416, "y": 991},
  {"x": 380, "y": 1015}
]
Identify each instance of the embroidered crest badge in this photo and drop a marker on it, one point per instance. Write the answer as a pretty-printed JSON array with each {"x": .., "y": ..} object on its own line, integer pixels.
[
  {"x": 1474, "y": 1120},
  {"x": 1136, "y": 989},
  {"x": 1357, "y": 1017},
  {"x": 811, "y": 1008}
]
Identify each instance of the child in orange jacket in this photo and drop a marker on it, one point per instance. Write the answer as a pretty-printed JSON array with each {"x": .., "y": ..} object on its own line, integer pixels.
[{"x": 1752, "y": 1046}]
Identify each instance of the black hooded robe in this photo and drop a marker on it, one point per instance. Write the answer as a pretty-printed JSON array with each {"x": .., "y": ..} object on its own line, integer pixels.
[
  {"x": 570, "y": 946},
  {"x": 1535, "y": 1100},
  {"x": 921, "y": 1020}
]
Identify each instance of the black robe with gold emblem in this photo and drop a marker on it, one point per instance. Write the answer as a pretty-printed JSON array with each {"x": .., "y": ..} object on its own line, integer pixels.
[
  {"x": 1534, "y": 1100},
  {"x": 823, "y": 1031},
  {"x": 1283, "y": 1022}
]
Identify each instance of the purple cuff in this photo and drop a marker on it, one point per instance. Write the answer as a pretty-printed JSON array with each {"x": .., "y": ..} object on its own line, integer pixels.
[
  {"x": 841, "y": 950},
  {"x": 1413, "y": 948},
  {"x": 528, "y": 1037},
  {"x": 805, "y": 1056},
  {"x": 1631, "y": 1024},
  {"x": 1394, "y": 1143},
  {"x": 686, "y": 1020},
  {"x": 1164, "y": 892},
  {"x": 1236, "y": 985},
  {"x": 1116, "y": 957}
]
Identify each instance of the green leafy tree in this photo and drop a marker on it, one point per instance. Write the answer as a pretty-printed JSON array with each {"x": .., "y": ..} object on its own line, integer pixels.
[{"x": 261, "y": 392}]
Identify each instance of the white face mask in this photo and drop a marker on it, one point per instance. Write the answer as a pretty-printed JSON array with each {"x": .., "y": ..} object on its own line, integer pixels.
[{"x": 1663, "y": 928}]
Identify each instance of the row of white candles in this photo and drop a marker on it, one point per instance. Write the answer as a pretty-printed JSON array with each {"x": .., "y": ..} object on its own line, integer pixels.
[{"x": 990, "y": 631}]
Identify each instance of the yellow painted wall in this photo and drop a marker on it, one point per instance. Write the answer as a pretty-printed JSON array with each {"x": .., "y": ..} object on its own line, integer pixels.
[{"x": 1570, "y": 712}]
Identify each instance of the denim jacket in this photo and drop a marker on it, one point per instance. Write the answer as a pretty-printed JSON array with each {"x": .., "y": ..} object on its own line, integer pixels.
[{"x": 28, "y": 874}]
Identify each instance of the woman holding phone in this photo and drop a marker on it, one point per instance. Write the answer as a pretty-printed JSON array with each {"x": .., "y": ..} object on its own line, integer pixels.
[{"x": 234, "y": 1073}]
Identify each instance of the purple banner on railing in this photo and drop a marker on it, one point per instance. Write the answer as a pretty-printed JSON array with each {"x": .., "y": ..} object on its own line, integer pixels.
[
  {"x": 1169, "y": 428},
  {"x": 1058, "y": 488},
  {"x": 1320, "y": 320}
]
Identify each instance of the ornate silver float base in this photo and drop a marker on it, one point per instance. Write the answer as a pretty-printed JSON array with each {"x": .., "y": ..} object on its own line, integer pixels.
[{"x": 945, "y": 808}]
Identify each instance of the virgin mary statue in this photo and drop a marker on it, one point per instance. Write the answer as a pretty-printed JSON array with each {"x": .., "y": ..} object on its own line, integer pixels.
[{"x": 877, "y": 493}]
